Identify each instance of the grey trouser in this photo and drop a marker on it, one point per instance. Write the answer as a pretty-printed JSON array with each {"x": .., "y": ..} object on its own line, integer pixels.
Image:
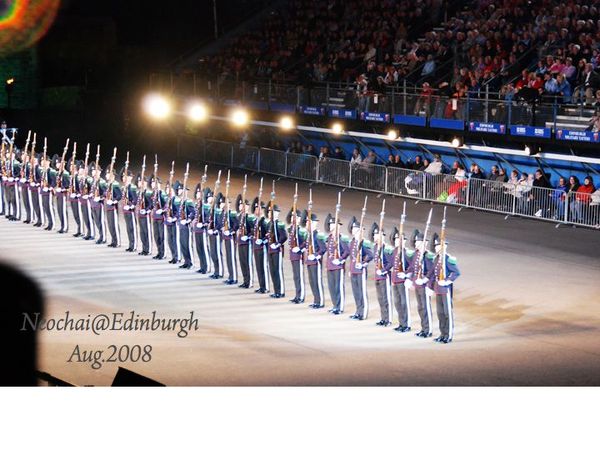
[
  {"x": 231, "y": 258},
  {"x": 112, "y": 217},
  {"x": 158, "y": 228},
  {"x": 202, "y": 251},
  {"x": 76, "y": 210},
  {"x": 99, "y": 222},
  {"x": 86, "y": 213},
  {"x": 185, "y": 243},
  {"x": 315, "y": 279},
  {"x": 298, "y": 273},
  {"x": 359, "y": 291},
  {"x": 246, "y": 263},
  {"x": 402, "y": 303},
  {"x": 26, "y": 195},
  {"x": 337, "y": 288},
  {"x": 61, "y": 209},
  {"x": 36, "y": 203},
  {"x": 262, "y": 273},
  {"x": 276, "y": 269},
  {"x": 14, "y": 207},
  {"x": 145, "y": 238},
  {"x": 131, "y": 226},
  {"x": 445, "y": 314},
  {"x": 424, "y": 308},
  {"x": 215, "y": 253},
  {"x": 48, "y": 206},
  {"x": 173, "y": 240},
  {"x": 384, "y": 297}
]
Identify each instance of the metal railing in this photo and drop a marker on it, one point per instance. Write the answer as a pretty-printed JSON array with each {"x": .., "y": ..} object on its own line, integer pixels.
[{"x": 519, "y": 198}]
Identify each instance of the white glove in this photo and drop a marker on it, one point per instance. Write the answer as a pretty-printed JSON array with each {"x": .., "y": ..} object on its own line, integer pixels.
[
  {"x": 244, "y": 238},
  {"x": 142, "y": 211},
  {"x": 159, "y": 211},
  {"x": 211, "y": 231},
  {"x": 296, "y": 249},
  {"x": 184, "y": 222},
  {"x": 85, "y": 197},
  {"x": 364, "y": 265},
  {"x": 275, "y": 246},
  {"x": 337, "y": 262},
  {"x": 97, "y": 199},
  {"x": 421, "y": 281},
  {"x": 381, "y": 272},
  {"x": 226, "y": 233},
  {"x": 318, "y": 257},
  {"x": 58, "y": 189},
  {"x": 429, "y": 292},
  {"x": 199, "y": 225},
  {"x": 401, "y": 275},
  {"x": 73, "y": 195},
  {"x": 23, "y": 180},
  {"x": 444, "y": 283},
  {"x": 4, "y": 178},
  {"x": 311, "y": 257},
  {"x": 259, "y": 242}
]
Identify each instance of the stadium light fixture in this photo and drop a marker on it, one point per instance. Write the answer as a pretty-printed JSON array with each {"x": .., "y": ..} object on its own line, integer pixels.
[
  {"x": 286, "y": 123},
  {"x": 157, "y": 106},
  {"x": 239, "y": 117},
  {"x": 392, "y": 135},
  {"x": 337, "y": 128},
  {"x": 197, "y": 112},
  {"x": 455, "y": 142}
]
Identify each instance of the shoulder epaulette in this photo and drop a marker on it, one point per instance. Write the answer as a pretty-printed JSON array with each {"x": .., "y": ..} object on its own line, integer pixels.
[
  {"x": 367, "y": 244},
  {"x": 322, "y": 236},
  {"x": 409, "y": 252},
  {"x": 302, "y": 232},
  {"x": 281, "y": 225},
  {"x": 430, "y": 255},
  {"x": 344, "y": 239},
  {"x": 452, "y": 260},
  {"x": 388, "y": 250}
]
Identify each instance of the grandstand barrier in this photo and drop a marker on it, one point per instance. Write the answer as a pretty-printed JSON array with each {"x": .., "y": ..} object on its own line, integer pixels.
[{"x": 512, "y": 199}]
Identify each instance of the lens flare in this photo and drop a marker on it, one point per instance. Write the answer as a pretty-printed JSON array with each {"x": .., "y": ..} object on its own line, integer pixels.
[{"x": 24, "y": 22}]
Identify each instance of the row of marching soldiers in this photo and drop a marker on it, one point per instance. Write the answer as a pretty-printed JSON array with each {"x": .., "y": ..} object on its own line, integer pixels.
[{"x": 248, "y": 235}]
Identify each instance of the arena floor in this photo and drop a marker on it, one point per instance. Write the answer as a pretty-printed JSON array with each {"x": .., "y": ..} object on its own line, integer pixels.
[{"x": 526, "y": 308}]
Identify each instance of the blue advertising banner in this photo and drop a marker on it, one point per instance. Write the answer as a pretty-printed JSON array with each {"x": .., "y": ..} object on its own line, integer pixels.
[
  {"x": 283, "y": 107},
  {"x": 258, "y": 105},
  {"x": 577, "y": 135},
  {"x": 374, "y": 117},
  {"x": 342, "y": 113},
  {"x": 524, "y": 130},
  {"x": 484, "y": 127},
  {"x": 410, "y": 120},
  {"x": 313, "y": 110},
  {"x": 448, "y": 124}
]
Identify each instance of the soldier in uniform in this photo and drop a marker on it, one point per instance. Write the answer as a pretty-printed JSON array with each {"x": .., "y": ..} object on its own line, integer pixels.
[
  {"x": 143, "y": 212},
  {"x": 382, "y": 257},
  {"x": 114, "y": 194},
  {"x": 244, "y": 238},
  {"x": 171, "y": 216},
  {"x": 200, "y": 227},
  {"x": 159, "y": 202},
  {"x": 214, "y": 236},
  {"x": 259, "y": 242},
  {"x": 48, "y": 184},
  {"x": 26, "y": 171},
  {"x": 419, "y": 264},
  {"x": 187, "y": 216},
  {"x": 399, "y": 267},
  {"x": 98, "y": 193},
  {"x": 35, "y": 188},
  {"x": 314, "y": 249},
  {"x": 337, "y": 252},
  {"x": 85, "y": 187},
  {"x": 229, "y": 230},
  {"x": 361, "y": 253},
  {"x": 11, "y": 187},
  {"x": 75, "y": 195},
  {"x": 297, "y": 238},
  {"x": 63, "y": 180},
  {"x": 442, "y": 273},
  {"x": 129, "y": 201},
  {"x": 276, "y": 237}
]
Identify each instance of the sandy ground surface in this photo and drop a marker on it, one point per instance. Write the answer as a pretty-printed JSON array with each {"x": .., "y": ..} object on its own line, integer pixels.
[{"x": 527, "y": 309}]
